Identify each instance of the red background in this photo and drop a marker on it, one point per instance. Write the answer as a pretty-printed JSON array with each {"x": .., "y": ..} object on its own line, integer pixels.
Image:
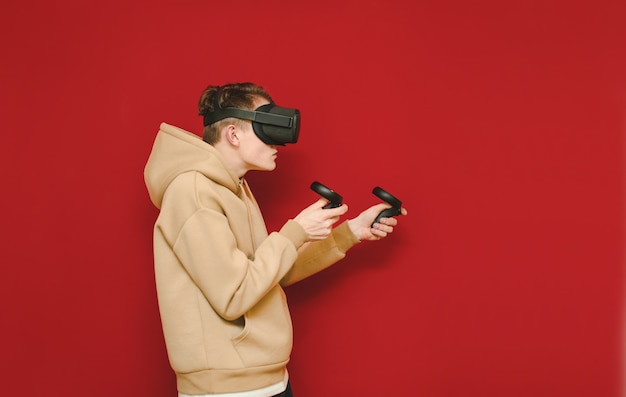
[{"x": 500, "y": 125}]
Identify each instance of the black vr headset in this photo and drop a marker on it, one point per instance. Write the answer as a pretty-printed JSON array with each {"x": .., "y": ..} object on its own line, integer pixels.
[{"x": 273, "y": 124}]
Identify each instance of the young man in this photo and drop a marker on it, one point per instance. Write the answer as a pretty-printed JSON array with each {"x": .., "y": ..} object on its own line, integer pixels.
[{"x": 219, "y": 275}]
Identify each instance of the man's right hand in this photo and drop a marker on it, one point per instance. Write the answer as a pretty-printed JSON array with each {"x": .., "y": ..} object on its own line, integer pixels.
[{"x": 318, "y": 222}]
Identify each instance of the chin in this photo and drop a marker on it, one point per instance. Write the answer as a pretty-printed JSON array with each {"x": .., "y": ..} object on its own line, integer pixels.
[{"x": 269, "y": 167}]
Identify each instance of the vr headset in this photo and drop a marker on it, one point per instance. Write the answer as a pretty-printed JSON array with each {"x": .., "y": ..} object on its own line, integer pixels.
[{"x": 274, "y": 125}]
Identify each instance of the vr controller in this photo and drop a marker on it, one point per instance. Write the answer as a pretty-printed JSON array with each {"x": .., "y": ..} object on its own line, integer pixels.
[
  {"x": 329, "y": 194},
  {"x": 396, "y": 204},
  {"x": 336, "y": 200}
]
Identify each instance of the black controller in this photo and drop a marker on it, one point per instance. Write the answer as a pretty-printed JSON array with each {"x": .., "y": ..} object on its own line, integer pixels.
[
  {"x": 329, "y": 194},
  {"x": 396, "y": 204}
]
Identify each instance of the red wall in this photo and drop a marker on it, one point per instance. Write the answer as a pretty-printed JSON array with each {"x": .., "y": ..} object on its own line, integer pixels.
[{"x": 500, "y": 125}]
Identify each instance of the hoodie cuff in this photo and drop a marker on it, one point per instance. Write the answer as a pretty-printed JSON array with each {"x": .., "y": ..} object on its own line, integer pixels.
[
  {"x": 294, "y": 232},
  {"x": 344, "y": 238}
]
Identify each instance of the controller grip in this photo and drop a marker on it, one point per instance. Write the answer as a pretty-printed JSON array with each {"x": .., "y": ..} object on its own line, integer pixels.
[
  {"x": 389, "y": 199},
  {"x": 388, "y": 213}
]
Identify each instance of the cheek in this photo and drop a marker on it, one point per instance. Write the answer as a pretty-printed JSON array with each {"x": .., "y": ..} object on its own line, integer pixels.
[
  {"x": 262, "y": 156},
  {"x": 265, "y": 151}
]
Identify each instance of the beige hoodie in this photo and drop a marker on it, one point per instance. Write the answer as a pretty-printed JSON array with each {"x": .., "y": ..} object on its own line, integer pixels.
[{"x": 218, "y": 273}]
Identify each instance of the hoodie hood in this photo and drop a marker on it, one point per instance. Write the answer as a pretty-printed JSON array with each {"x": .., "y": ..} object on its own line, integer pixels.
[{"x": 176, "y": 151}]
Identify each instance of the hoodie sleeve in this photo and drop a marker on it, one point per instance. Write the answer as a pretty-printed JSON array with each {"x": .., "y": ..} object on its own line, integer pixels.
[
  {"x": 316, "y": 256},
  {"x": 229, "y": 279}
]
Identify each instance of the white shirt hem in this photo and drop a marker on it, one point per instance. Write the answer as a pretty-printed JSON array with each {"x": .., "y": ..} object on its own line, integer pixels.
[{"x": 267, "y": 391}]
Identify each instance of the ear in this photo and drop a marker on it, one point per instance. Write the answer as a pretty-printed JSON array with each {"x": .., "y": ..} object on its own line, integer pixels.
[{"x": 230, "y": 134}]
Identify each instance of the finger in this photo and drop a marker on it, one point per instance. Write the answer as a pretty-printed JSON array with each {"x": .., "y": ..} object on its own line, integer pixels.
[
  {"x": 382, "y": 206},
  {"x": 319, "y": 203},
  {"x": 378, "y": 233},
  {"x": 337, "y": 211},
  {"x": 383, "y": 228},
  {"x": 388, "y": 221}
]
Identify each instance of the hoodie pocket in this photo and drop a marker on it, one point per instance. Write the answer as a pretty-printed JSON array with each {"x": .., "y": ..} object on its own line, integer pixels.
[{"x": 267, "y": 335}]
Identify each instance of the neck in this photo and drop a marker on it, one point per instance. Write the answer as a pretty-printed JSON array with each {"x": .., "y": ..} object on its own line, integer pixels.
[{"x": 232, "y": 159}]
